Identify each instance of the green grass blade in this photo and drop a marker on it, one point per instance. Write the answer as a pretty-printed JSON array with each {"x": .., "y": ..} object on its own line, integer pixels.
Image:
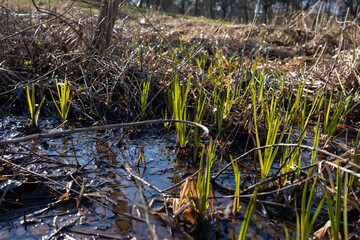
[
  {"x": 31, "y": 106},
  {"x": 345, "y": 216},
  {"x": 248, "y": 215},
  {"x": 38, "y": 110}
]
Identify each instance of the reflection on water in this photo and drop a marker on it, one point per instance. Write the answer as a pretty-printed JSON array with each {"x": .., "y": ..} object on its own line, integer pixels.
[{"x": 106, "y": 176}]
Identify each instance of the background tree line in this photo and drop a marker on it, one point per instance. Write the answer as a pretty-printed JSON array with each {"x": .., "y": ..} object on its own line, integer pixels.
[{"x": 243, "y": 11}]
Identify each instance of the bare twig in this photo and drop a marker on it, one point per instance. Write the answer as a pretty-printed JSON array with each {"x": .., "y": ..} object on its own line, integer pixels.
[{"x": 96, "y": 128}]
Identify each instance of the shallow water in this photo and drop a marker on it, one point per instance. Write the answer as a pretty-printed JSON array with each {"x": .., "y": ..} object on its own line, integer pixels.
[{"x": 105, "y": 175}]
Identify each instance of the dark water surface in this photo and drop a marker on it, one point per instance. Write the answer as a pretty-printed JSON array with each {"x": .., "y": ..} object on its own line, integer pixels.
[{"x": 108, "y": 181}]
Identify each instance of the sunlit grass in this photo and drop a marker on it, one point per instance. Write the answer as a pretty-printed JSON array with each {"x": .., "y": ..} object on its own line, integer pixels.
[
  {"x": 335, "y": 215},
  {"x": 334, "y": 114},
  {"x": 273, "y": 121},
  {"x": 248, "y": 215},
  {"x": 224, "y": 104},
  {"x": 144, "y": 93},
  {"x": 34, "y": 112},
  {"x": 236, "y": 207},
  {"x": 306, "y": 222},
  {"x": 178, "y": 100},
  {"x": 64, "y": 98},
  {"x": 204, "y": 178}
]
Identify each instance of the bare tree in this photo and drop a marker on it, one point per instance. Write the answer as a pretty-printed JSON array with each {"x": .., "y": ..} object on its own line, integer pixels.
[
  {"x": 225, "y": 6},
  {"x": 105, "y": 25},
  {"x": 196, "y": 8},
  {"x": 210, "y": 8},
  {"x": 266, "y": 7},
  {"x": 242, "y": 11},
  {"x": 183, "y": 5}
]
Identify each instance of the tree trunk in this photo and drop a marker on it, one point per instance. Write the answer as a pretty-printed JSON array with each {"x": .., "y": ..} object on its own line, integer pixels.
[
  {"x": 224, "y": 8},
  {"x": 182, "y": 7},
  {"x": 105, "y": 25},
  {"x": 246, "y": 15},
  {"x": 265, "y": 9},
  {"x": 196, "y": 8},
  {"x": 210, "y": 9}
]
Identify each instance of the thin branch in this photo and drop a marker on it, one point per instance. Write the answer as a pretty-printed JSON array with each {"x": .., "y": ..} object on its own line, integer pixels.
[{"x": 96, "y": 128}]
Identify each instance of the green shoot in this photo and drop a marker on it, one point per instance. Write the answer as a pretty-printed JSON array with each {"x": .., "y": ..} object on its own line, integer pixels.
[
  {"x": 345, "y": 216},
  {"x": 248, "y": 214},
  {"x": 178, "y": 98},
  {"x": 286, "y": 166},
  {"x": 316, "y": 141},
  {"x": 335, "y": 216},
  {"x": 64, "y": 98},
  {"x": 274, "y": 123},
  {"x": 306, "y": 221},
  {"x": 204, "y": 178},
  {"x": 32, "y": 106},
  {"x": 295, "y": 107},
  {"x": 236, "y": 206},
  {"x": 144, "y": 93},
  {"x": 165, "y": 116},
  {"x": 331, "y": 123},
  {"x": 224, "y": 106}
]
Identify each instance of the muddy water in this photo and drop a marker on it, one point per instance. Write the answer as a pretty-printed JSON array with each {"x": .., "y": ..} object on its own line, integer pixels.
[{"x": 106, "y": 177}]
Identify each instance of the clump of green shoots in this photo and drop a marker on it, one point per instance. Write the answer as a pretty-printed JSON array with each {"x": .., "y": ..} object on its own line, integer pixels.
[
  {"x": 298, "y": 112},
  {"x": 204, "y": 178},
  {"x": 178, "y": 99},
  {"x": 224, "y": 105},
  {"x": 201, "y": 61},
  {"x": 287, "y": 162},
  {"x": 64, "y": 98},
  {"x": 273, "y": 120},
  {"x": 32, "y": 106},
  {"x": 331, "y": 123},
  {"x": 335, "y": 215},
  {"x": 144, "y": 93},
  {"x": 306, "y": 222}
]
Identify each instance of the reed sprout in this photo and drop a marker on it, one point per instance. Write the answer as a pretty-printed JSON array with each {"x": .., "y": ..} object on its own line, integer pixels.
[
  {"x": 345, "y": 208},
  {"x": 334, "y": 115},
  {"x": 64, "y": 96},
  {"x": 306, "y": 222},
  {"x": 236, "y": 206},
  {"x": 144, "y": 93},
  {"x": 204, "y": 178},
  {"x": 248, "y": 215},
  {"x": 34, "y": 113},
  {"x": 335, "y": 215},
  {"x": 224, "y": 105},
  {"x": 273, "y": 120},
  {"x": 178, "y": 99}
]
